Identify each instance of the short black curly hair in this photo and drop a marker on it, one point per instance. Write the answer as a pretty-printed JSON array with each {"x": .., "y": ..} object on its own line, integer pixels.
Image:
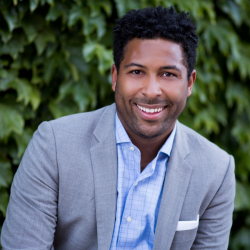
[{"x": 153, "y": 23}]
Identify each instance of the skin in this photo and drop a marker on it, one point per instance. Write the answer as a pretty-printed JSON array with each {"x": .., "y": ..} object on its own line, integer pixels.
[{"x": 152, "y": 75}]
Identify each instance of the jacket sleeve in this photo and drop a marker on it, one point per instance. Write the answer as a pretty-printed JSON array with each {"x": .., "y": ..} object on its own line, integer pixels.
[
  {"x": 32, "y": 211},
  {"x": 215, "y": 223}
]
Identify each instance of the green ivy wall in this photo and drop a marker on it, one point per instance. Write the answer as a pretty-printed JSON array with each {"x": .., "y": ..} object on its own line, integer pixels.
[{"x": 55, "y": 59}]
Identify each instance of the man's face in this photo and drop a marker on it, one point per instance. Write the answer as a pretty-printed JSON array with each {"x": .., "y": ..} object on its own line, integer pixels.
[{"x": 151, "y": 88}]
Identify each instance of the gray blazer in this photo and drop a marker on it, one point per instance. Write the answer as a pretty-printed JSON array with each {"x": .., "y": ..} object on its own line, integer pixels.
[{"x": 65, "y": 189}]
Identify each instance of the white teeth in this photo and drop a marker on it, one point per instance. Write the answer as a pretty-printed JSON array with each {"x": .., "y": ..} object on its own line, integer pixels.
[{"x": 149, "y": 110}]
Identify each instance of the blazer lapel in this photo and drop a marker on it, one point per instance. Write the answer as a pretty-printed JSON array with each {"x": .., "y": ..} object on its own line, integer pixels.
[
  {"x": 104, "y": 162},
  {"x": 175, "y": 187}
]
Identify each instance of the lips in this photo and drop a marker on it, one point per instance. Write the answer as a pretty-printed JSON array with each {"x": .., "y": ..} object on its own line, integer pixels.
[{"x": 152, "y": 110}]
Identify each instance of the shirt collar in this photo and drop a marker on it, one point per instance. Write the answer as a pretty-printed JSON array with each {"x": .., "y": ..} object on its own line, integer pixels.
[
  {"x": 122, "y": 136},
  {"x": 120, "y": 132},
  {"x": 167, "y": 146}
]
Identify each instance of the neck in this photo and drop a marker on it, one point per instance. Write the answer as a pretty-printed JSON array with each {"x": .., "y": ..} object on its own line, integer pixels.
[{"x": 149, "y": 147}]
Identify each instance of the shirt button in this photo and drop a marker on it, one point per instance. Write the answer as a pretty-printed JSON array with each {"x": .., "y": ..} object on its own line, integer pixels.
[
  {"x": 128, "y": 219},
  {"x": 136, "y": 183},
  {"x": 132, "y": 148}
]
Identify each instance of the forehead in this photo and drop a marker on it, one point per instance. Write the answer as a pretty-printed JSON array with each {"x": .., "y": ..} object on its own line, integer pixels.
[{"x": 158, "y": 52}]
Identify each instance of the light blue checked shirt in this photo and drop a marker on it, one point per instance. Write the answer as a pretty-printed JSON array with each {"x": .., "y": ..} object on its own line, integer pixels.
[{"x": 138, "y": 193}]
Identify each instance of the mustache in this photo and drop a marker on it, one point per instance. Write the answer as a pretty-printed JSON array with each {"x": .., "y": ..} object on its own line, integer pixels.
[{"x": 152, "y": 101}]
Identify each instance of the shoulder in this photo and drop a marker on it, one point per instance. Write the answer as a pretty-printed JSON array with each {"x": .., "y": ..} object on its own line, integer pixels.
[
  {"x": 211, "y": 165},
  {"x": 73, "y": 127},
  {"x": 199, "y": 144},
  {"x": 80, "y": 123},
  {"x": 209, "y": 162}
]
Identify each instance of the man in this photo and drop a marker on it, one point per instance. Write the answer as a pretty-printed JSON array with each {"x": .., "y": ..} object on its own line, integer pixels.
[{"x": 128, "y": 176}]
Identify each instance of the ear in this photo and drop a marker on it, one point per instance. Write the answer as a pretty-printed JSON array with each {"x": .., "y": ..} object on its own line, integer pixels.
[
  {"x": 191, "y": 82},
  {"x": 114, "y": 76}
]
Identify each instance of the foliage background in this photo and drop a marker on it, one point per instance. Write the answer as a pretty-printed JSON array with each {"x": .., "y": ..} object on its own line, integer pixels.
[{"x": 55, "y": 59}]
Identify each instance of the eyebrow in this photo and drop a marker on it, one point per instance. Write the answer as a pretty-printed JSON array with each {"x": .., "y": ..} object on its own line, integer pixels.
[
  {"x": 142, "y": 66},
  {"x": 171, "y": 67},
  {"x": 134, "y": 64}
]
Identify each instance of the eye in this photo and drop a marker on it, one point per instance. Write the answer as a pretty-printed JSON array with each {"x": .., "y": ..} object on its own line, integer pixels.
[
  {"x": 136, "y": 72},
  {"x": 168, "y": 74}
]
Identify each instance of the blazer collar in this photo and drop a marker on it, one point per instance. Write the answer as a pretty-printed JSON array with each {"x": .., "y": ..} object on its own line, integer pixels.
[
  {"x": 106, "y": 125},
  {"x": 181, "y": 141},
  {"x": 176, "y": 183},
  {"x": 104, "y": 163}
]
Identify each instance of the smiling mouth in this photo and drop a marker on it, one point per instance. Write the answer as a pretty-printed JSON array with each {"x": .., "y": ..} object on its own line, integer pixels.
[{"x": 150, "y": 111}]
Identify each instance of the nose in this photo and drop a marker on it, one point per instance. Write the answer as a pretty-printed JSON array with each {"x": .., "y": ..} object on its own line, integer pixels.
[{"x": 151, "y": 88}]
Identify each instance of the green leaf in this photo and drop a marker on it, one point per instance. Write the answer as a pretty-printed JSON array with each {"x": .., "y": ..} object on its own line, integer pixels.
[
  {"x": 33, "y": 4},
  {"x": 121, "y": 7},
  {"x": 90, "y": 24},
  {"x": 53, "y": 13},
  {"x": 5, "y": 35},
  {"x": 59, "y": 109},
  {"x": 14, "y": 46},
  {"x": 25, "y": 91},
  {"x": 81, "y": 98},
  {"x": 50, "y": 2},
  {"x": 11, "y": 18},
  {"x": 89, "y": 51},
  {"x": 22, "y": 140},
  {"x": 51, "y": 49},
  {"x": 76, "y": 13},
  {"x": 32, "y": 25},
  {"x": 57, "y": 10},
  {"x": 242, "y": 198},
  {"x": 5, "y": 172},
  {"x": 23, "y": 8},
  {"x": 105, "y": 56},
  {"x": 35, "y": 98},
  {"x": 242, "y": 239},
  {"x": 233, "y": 10},
  {"x": 210, "y": 117},
  {"x": 83, "y": 95},
  {"x": 10, "y": 120},
  {"x": 4, "y": 200},
  {"x": 47, "y": 35},
  {"x": 65, "y": 89},
  {"x": 96, "y": 5},
  {"x": 4, "y": 5},
  {"x": 74, "y": 71},
  {"x": 235, "y": 93},
  {"x": 51, "y": 65},
  {"x": 125, "y": 5},
  {"x": 95, "y": 23},
  {"x": 241, "y": 133}
]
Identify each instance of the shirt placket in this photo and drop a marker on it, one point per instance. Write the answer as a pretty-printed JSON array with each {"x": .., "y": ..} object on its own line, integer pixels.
[
  {"x": 126, "y": 219},
  {"x": 129, "y": 200}
]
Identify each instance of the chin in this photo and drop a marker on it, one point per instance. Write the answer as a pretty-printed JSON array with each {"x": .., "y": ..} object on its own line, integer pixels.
[{"x": 148, "y": 133}]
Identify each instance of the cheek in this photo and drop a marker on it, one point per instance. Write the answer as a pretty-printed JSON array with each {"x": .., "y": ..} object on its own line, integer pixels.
[
  {"x": 175, "y": 93},
  {"x": 127, "y": 89}
]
